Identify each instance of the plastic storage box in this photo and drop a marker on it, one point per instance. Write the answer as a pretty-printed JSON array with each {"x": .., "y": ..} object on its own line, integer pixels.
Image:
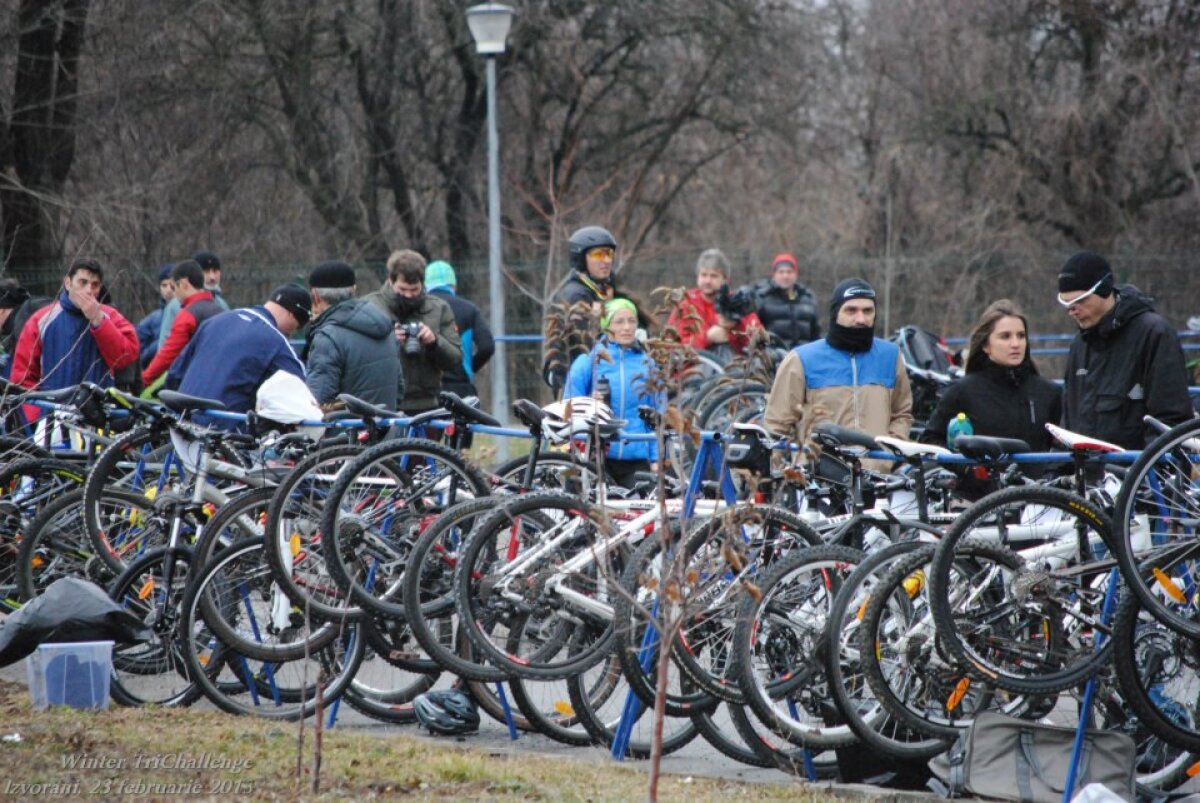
[{"x": 74, "y": 674}]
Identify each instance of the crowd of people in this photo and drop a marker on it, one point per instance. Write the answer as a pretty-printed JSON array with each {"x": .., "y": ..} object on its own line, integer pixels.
[{"x": 399, "y": 346}]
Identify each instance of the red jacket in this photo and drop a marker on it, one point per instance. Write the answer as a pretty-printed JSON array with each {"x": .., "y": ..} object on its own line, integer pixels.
[
  {"x": 182, "y": 329},
  {"x": 695, "y": 314},
  {"x": 115, "y": 340}
]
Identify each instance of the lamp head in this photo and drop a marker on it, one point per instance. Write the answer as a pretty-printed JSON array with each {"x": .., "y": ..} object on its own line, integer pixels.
[{"x": 489, "y": 23}]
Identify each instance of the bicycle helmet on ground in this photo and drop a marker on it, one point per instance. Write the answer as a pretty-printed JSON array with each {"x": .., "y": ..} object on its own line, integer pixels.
[
  {"x": 449, "y": 712},
  {"x": 584, "y": 240}
]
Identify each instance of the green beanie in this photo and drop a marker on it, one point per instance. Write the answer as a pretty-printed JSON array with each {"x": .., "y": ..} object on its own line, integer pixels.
[
  {"x": 612, "y": 307},
  {"x": 439, "y": 274}
]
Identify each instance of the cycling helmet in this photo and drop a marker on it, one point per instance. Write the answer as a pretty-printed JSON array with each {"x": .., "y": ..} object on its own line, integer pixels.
[
  {"x": 585, "y": 413},
  {"x": 584, "y": 240},
  {"x": 446, "y": 711}
]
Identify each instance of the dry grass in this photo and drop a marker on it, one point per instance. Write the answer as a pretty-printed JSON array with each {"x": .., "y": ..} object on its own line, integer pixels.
[{"x": 355, "y": 765}]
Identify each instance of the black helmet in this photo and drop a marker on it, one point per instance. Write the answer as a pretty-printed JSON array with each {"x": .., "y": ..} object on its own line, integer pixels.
[
  {"x": 584, "y": 240},
  {"x": 447, "y": 711}
]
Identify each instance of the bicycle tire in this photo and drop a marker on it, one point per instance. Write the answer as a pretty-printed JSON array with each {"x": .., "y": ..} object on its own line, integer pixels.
[
  {"x": 852, "y": 695},
  {"x": 914, "y": 679},
  {"x": 139, "y": 589},
  {"x": 428, "y": 589},
  {"x": 788, "y": 645},
  {"x": 295, "y": 538},
  {"x": 764, "y": 535},
  {"x": 369, "y": 547},
  {"x": 1155, "y": 519},
  {"x": 1158, "y": 669},
  {"x": 601, "y": 715},
  {"x": 1036, "y": 654},
  {"x": 491, "y": 616}
]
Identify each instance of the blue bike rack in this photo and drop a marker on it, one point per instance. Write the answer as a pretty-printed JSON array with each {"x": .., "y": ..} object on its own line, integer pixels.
[{"x": 709, "y": 456}]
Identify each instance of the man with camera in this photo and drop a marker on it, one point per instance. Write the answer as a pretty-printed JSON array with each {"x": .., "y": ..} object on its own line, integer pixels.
[
  {"x": 709, "y": 316},
  {"x": 351, "y": 344},
  {"x": 429, "y": 341}
]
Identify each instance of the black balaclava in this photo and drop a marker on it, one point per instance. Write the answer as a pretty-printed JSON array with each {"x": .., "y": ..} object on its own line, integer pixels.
[
  {"x": 404, "y": 307},
  {"x": 849, "y": 338}
]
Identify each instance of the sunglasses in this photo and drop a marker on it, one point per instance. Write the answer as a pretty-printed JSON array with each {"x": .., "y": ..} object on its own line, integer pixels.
[
  {"x": 1077, "y": 299},
  {"x": 604, "y": 252}
]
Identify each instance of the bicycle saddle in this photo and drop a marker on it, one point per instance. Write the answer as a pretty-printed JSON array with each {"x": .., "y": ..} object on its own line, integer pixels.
[
  {"x": 465, "y": 410},
  {"x": 528, "y": 413},
  {"x": 828, "y": 434},
  {"x": 365, "y": 409},
  {"x": 1082, "y": 443},
  {"x": 982, "y": 447},
  {"x": 909, "y": 449},
  {"x": 60, "y": 396},
  {"x": 182, "y": 403}
]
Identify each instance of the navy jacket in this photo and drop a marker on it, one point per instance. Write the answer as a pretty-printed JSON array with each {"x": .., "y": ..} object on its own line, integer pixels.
[{"x": 231, "y": 355}]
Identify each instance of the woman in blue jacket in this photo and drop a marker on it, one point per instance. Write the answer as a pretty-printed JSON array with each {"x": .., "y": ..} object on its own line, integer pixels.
[{"x": 618, "y": 359}]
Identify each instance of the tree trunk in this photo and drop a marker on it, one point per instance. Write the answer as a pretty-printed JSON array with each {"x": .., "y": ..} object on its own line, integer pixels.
[{"x": 36, "y": 155}]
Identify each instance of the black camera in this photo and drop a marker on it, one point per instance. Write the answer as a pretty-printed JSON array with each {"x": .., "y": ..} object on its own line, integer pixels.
[
  {"x": 735, "y": 306},
  {"x": 412, "y": 345}
]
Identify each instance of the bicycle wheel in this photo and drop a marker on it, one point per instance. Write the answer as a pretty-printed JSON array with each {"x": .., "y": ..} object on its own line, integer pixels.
[
  {"x": 139, "y": 461},
  {"x": 778, "y": 646},
  {"x": 385, "y": 684},
  {"x": 505, "y": 584},
  {"x": 378, "y": 507},
  {"x": 553, "y": 471},
  {"x": 295, "y": 539},
  {"x": 428, "y": 589},
  {"x": 728, "y": 554},
  {"x": 904, "y": 663},
  {"x": 1159, "y": 672},
  {"x": 155, "y": 671},
  {"x": 1157, "y": 520},
  {"x": 1030, "y": 628},
  {"x": 633, "y": 612},
  {"x": 852, "y": 694},
  {"x": 600, "y": 698},
  {"x": 27, "y": 486},
  {"x": 56, "y": 544},
  {"x": 546, "y": 706},
  {"x": 285, "y": 690}
]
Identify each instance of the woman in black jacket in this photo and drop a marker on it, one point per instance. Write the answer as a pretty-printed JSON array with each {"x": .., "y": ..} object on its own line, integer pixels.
[{"x": 1002, "y": 394}]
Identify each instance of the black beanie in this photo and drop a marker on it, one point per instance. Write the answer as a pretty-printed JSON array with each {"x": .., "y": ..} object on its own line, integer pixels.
[
  {"x": 1084, "y": 271},
  {"x": 331, "y": 275},
  {"x": 846, "y": 290}
]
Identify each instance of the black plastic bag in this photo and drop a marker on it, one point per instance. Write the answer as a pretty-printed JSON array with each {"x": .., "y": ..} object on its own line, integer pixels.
[{"x": 71, "y": 610}]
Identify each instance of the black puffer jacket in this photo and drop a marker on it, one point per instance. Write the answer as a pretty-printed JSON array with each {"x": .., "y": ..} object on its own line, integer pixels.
[
  {"x": 790, "y": 316},
  {"x": 352, "y": 349},
  {"x": 1001, "y": 402},
  {"x": 1125, "y": 367}
]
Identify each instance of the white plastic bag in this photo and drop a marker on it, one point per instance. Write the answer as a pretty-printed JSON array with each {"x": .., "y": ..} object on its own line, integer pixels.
[{"x": 285, "y": 398}]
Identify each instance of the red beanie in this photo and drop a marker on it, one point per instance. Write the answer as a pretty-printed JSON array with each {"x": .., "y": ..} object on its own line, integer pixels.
[{"x": 782, "y": 257}]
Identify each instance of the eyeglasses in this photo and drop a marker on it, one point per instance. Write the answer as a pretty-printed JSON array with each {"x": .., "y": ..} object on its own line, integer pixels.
[
  {"x": 603, "y": 252},
  {"x": 1077, "y": 299}
]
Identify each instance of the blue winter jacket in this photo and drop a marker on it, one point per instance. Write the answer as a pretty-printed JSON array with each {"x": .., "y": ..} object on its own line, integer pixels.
[
  {"x": 627, "y": 371},
  {"x": 231, "y": 355}
]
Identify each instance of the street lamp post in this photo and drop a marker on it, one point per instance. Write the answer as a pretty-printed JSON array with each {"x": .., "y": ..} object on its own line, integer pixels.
[{"x": 489, "y": 25}]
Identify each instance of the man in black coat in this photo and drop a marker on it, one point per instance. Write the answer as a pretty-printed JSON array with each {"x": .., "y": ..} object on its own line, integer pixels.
[
  {"x": 478, "y": 345},
  {"x": 1126, "y": 362},
  {"x": 787, "y": 309},
  {"x": 572, "y": 317},
  {"x": 352, "y": 344}
]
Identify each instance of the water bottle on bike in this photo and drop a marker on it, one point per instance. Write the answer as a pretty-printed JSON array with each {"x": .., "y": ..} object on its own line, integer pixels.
[{"x": 959, "y": 425}]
